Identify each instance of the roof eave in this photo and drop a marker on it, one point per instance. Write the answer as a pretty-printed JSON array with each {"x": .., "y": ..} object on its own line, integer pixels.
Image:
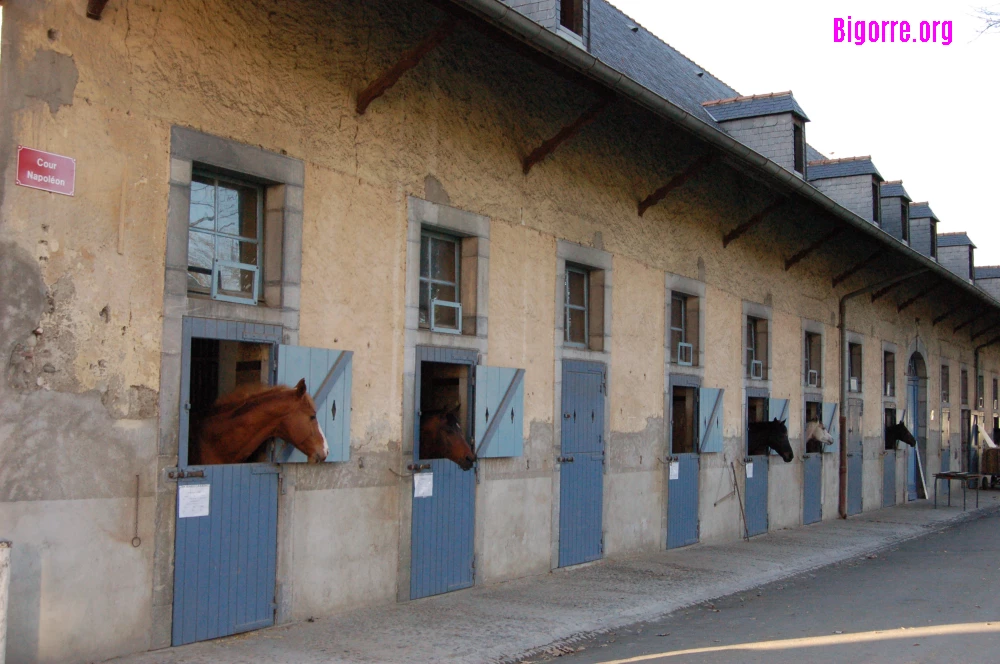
[{"x": 572, "y": 56}]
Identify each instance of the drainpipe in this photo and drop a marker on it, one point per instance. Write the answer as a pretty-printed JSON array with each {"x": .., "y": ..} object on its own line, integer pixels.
[
  {"x": 4, "y": 585},
  {"x": 844, "y": 378}
]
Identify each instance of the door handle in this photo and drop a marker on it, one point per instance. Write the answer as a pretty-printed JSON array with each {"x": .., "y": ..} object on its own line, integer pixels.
[{"x": 565, "y": 459}]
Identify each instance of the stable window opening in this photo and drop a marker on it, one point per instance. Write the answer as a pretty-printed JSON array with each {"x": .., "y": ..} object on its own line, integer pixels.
[
  {"x": 683, "y": 425},
  {"x": 854, "y": 367},
  {"x": 684, "y": 329},
  {"x": 814, "y": 359},
  {"x": 446, "y": 390},
  {"x": 571, "y": 15},
  {"x": 945, "y": 384},
  {"x": 980, "y": 391},
  {"x": 225, "y": 231},
  {"x": 756, "y": 348},
  {"x": 757, "y": 408},
  {"x": 220, "y": 368},
  {"x": 889, "y": 420},
  {"x": 965, "y": 387},
  {"x": 904, "y": 220},
  {"x": 888, "y": 374},
  {"x": 995, "y": 396}
]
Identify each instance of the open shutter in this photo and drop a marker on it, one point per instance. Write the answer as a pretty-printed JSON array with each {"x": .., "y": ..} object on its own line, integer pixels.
[
  {"x": 710, "y": 418},
  {"x": 831, "y": 420},
  {"x": 328, "y": 379},
  {"x": 499, "y": 412},
  {"x": 777, "y": 409}
]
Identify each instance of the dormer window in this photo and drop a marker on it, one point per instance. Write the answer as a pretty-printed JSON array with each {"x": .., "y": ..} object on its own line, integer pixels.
[
  {"x": 798, "y": 139},
  {"x": 933, "y": 240},
  {"x": 904, "y": 220},
  {"x": 876, "y": 204},
  {"x": 571, "y": 15}
]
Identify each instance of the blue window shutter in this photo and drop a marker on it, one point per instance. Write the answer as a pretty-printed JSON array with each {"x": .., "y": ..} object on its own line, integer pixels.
[
  {"x": 831, "y": 420},
  {"x": 499, "y": 412},
  {"x": 333, "y": 408},
  {"x": 777, "y": 409},
  {"x": 710, "y": 409}
]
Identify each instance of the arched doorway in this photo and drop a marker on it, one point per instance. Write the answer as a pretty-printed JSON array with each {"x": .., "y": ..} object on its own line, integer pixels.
[{"x": 916, "y": 421}]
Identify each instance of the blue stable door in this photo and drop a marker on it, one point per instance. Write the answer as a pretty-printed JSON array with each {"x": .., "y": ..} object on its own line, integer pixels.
[
  {"x": 855, "y": 457},
  {"x": 812, "y": 488},
  {"x": 888, "y": 478},
  {"x": 913, "y": 424},
  {"x": 581, "y": 463}
]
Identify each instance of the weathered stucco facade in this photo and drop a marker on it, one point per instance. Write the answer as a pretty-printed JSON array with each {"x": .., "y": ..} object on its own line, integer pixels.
[{"x": 90, "y": 325}]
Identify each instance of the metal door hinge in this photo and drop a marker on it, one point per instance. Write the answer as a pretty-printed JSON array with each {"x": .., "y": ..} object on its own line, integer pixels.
[
  {"x": 602, "y": 543},
  {"x": 179, "y": 474},
  {"x": 473, "y": 568}
]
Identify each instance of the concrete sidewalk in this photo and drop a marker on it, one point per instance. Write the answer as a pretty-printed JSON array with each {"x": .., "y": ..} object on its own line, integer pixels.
[{"x": 499, "y": 623}]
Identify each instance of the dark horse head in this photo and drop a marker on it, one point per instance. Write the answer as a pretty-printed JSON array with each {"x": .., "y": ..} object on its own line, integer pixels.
[
  {"x": 896, "y": 432},
  {"x": 770, "y": 435},
  {"x": 441, "y": 437}
]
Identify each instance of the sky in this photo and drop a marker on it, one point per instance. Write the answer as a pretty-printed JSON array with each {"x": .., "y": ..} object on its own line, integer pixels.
[{"x": 927, "y": 113}]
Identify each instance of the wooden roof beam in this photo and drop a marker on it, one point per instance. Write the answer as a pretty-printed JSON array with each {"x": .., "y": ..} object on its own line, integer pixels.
[
  {"x": 970, "y": 321},
  {"x": 857, "y": 267},
  {"x": 989, "y": 328},
  {"x": 95, "y": 8},
  {"x": 789, "y": 262},
  {"x": 946, "y": 314},
  {"x": 751, "y": 222},
  {"x": 675, "y": 182},
  {"x": 906, "y": 303},
  {"x": 407, "y": 61},
  {"x": 564, "y": 134}
]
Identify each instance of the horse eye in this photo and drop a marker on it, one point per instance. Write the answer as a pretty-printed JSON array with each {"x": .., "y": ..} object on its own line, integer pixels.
[{"x": 312, "y": 417}]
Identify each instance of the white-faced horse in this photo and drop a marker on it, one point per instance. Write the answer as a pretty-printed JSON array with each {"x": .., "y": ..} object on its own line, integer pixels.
[{"x": 817, "y": 437}]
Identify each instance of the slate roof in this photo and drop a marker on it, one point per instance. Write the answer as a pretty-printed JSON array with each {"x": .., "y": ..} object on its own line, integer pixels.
[
  {"x": 841, "y": 168},
  {"x": 959, "y": 239},
  {"x": 894, "y": 188},
  {"x": 754, "y": 106},
  {"x": 652, "y": 62},
  {"x": 988, "y": 272},
  {"x": 921, "y": 211}
]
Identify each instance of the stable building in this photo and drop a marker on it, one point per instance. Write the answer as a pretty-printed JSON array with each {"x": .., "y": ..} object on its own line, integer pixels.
[{"x": 603, "y": 263}]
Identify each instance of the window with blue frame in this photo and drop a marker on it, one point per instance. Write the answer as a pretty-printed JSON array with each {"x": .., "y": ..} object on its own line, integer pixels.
[{"x": 225, "y": 231}]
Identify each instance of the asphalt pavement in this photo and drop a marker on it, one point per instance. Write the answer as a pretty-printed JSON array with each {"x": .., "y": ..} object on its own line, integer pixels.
[{"x": 931, "y": 599}]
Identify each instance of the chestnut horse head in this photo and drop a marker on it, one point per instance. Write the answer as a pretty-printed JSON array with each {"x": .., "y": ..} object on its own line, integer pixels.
[
  {"x": 441, "y": 437},
  {"x": 243, "y": 420}
]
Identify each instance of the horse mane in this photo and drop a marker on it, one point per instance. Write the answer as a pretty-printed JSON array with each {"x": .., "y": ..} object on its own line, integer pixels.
[{"x": 245, "y": 398}]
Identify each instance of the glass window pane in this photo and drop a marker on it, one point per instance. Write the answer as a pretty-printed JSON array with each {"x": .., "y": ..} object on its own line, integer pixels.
[
  {"x": 235, "y": 251},
  {"x": 577, "y": 287},
  {"x": 446, "y": 317},
  {"x": 576, "y": 326},
  {"x": 235, "y": 281},
  {"x": 425, "y": 315},
  {"x": 445, "y": 293},
  {"x": 237, "y": 210},
  {"x": 677, "y": 312},
  {"x": 675, "y": 338},
  {"x": 425, "y": 243},
  {"x": 443, "y": 260},
  {"x": 202, "y": 211},
  {"x": 201, "y": 246}
]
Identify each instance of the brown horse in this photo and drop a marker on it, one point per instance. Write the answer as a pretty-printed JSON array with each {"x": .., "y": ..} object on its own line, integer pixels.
[
  {"x": 441, "y": 437},
  {"x": 243, "y": 420}
]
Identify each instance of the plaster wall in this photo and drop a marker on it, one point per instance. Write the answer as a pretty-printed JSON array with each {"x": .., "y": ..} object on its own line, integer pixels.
[{"x": 81, "y": 397}]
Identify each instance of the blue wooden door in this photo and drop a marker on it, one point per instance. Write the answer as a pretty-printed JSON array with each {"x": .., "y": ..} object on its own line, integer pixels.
[
  {"x": 812, "y": 488},
  {"x": 581, "y": 469},
  {"x": 889, "y": 478},
  {"x": 682, "y": 501},
  {"x": 226, "y": 535},
  {"x": 913, "y": 424},
  {"x": 756, "y": 494},
  {"x": 855, "y": 457},
  {"x": 442, "y": 557},
  {"x": 224, "y": 561}
]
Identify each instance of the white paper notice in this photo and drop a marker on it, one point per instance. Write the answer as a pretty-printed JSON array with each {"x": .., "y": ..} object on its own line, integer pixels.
[
  {"x": 675, "y": 470},
  {"x": 423, "y": 485},
  {"x": 192, "y": 500},
  {"x": 750, "y": 470}
]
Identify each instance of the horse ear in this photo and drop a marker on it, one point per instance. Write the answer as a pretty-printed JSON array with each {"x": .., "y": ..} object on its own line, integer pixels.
[{"x": 300, "y": 387}]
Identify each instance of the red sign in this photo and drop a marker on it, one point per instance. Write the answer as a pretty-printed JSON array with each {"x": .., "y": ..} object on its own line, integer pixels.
[{"x": 46, "y": 171}]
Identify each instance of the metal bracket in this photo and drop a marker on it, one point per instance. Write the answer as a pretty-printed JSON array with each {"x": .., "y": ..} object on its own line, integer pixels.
[{"x": 179, "y": 473}]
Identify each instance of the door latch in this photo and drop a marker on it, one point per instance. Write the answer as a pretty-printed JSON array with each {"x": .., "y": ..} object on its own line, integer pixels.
[
  {"x": 180, "y": 474},
  {"x": 565, "y": 459},
  {"x": 417, "y": 467}
]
